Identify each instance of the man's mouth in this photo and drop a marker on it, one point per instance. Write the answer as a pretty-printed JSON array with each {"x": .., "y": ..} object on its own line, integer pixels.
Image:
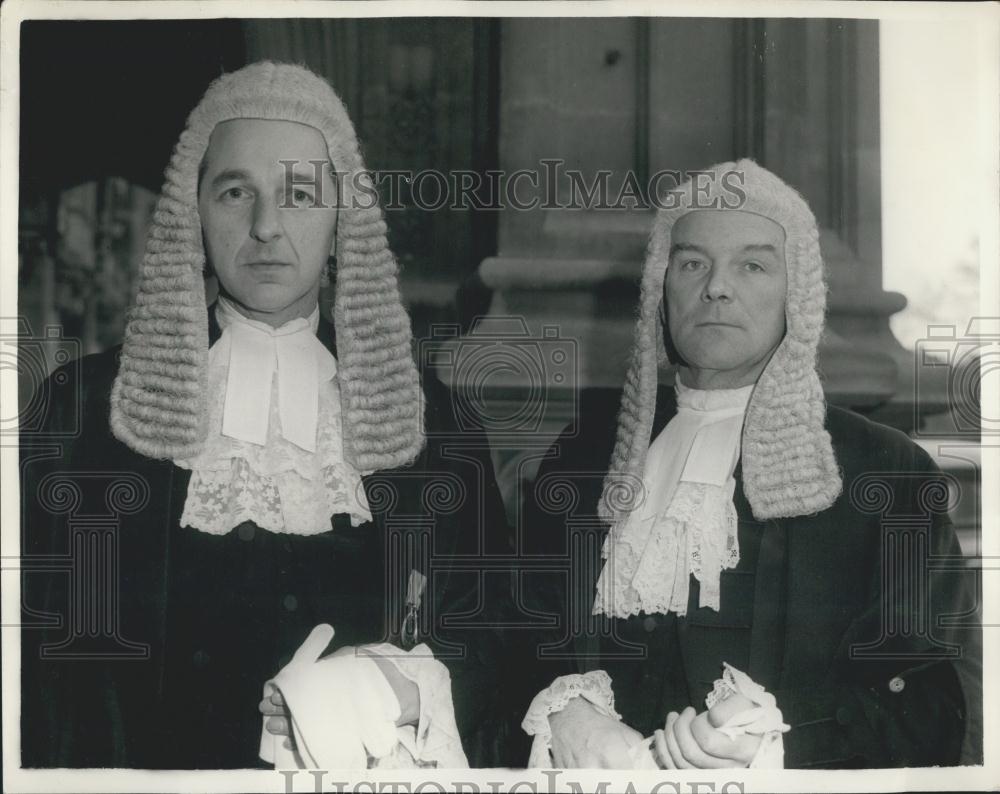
[
  {"x": 267, "y": 263},
  {"x": 716, "y": 324}
]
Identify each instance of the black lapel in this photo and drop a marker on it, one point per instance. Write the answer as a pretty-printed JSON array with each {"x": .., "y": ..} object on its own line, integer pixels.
[
  {"x": 767, "y": 639},
  {"x": 214, "y": 332},
  {"x": 666, "y": 407},
  {"x": 327, "y": 334},
  {"x": 767, "y": 635},
  {"x": 175, "y": 480}
]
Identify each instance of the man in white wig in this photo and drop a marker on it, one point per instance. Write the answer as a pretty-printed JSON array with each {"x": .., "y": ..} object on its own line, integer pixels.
[
  {"x": 288, "y": 475},
  {"x": 762, "y": 596}
]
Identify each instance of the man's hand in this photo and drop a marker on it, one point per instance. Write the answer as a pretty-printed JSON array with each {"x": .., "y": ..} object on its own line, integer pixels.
[
  {"x": 278, "y": 720},
  {"x": 724, "y": 710},
  {"x": 692, "y": 741},
  {"x": 583, "y": 738}
]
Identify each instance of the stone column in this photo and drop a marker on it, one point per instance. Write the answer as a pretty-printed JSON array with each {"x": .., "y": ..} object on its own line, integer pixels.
[{"x": 640, "y": 95}]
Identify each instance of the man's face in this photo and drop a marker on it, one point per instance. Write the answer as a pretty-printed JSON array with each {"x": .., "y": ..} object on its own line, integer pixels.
[
  {"x": 725, "y": 295},
  {"x": 264, "y": 238}
]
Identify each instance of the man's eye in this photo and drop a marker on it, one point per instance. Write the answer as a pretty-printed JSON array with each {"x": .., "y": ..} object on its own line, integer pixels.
[
  {"x": 301, "y": 196},
  {"x": 754, "y": 267},
  {"x": 691, "y": 264},
  {"x": 234, "y": 194}
]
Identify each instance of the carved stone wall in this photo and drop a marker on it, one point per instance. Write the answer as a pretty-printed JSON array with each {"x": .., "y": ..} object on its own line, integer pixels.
[{"x": 641, "y": 95}]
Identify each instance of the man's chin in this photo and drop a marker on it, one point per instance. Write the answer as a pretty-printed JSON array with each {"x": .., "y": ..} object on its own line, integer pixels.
[
  {"x": 266, "y": 302},
  {"x": 711, "y": 361}
]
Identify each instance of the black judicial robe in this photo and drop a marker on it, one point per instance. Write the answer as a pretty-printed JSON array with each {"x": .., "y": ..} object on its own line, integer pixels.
[
  {"x": 859, "y": 619},
  {"x": 146, "y": 644}
]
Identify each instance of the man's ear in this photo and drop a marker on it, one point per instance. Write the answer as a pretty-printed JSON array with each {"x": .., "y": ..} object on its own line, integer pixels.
[{"x": 329, "y": 274}]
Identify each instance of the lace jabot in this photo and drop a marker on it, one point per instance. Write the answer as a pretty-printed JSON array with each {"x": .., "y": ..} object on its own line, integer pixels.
[
  {"x": 273, "y": 480},
  {"x": 687, "y": 523}
]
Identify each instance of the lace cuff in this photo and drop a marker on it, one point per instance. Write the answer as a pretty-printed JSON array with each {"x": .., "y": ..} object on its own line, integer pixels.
[
  {"x": 764, "y": 720},
  {"x": 595, "y": 687}
]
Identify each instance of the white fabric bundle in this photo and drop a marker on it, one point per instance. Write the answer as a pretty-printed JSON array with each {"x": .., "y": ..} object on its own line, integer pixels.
[
  {"x": 343, "y": 712},
  {"x": 763, "y": 720}
]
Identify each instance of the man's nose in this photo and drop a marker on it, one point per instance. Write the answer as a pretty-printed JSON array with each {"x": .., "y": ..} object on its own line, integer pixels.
[
  {"x": 266, "y": 221},
  {"x": 717, "y": 286}
]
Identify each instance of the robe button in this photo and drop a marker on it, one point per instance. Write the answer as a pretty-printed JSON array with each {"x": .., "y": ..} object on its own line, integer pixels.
[
  {"x": 290, "y": 603},
  {"x": 200, "y": 659},
  {"x": 843, "y": 716},
  {"x": 896, "y": 685},
  {"x": 649, "y": 624},
  {"x": 246, "y": 531}
]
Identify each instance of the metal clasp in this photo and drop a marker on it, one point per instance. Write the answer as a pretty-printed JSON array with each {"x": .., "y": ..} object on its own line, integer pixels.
[{"x": 410, "y": 632}]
